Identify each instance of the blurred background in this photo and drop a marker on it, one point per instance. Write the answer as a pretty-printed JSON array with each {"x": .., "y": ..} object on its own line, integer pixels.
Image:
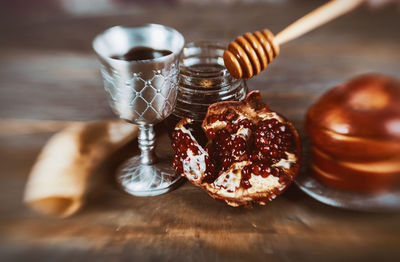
[{"x": 48, "y": 72}]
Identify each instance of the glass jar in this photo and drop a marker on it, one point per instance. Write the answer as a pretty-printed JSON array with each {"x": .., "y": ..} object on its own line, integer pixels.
[{"x": 203, "y": 80}]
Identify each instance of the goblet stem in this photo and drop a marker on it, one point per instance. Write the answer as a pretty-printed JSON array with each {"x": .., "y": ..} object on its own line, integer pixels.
[{"x": 147, "y": 142}]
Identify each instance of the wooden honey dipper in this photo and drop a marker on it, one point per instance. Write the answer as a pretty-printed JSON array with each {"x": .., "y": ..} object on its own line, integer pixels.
[{"x": 251, "y": 53}]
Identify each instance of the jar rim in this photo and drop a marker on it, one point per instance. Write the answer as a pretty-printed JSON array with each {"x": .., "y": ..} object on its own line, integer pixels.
[
  {"x": 210, "y": 51},
  {"x": 202, "y": 66}
]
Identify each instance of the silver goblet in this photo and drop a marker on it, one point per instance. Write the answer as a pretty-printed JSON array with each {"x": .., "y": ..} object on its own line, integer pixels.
[{"x": 142, "y": 92}]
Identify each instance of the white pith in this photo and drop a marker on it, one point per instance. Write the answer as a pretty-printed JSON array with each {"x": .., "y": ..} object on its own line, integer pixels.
[{"x": 194, "y": 166}]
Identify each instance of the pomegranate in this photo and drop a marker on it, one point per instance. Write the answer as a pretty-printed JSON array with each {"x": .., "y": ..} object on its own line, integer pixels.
[{"x": 252, "y": 154}]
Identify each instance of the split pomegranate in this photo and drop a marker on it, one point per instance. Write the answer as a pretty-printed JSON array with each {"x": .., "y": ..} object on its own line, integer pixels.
[{"x": 252, "y": 154}]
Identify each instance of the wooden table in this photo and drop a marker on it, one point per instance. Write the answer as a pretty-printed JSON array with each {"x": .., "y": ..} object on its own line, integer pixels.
[{"x": 49, "y": 72}]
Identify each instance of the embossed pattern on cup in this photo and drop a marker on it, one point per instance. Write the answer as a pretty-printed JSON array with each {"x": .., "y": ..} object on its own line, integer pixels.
[{"x": 142, "y": 98}]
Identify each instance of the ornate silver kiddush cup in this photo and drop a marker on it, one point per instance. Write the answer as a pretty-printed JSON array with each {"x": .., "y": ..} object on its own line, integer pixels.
[{"x": 142, "y": 92}]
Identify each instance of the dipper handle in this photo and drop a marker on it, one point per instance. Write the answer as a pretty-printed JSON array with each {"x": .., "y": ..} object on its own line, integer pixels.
[{"x": 316, "y": 18}]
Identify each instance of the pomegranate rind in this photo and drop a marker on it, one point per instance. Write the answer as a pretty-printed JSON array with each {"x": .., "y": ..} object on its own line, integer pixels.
[{"x": 264, "y": 189}]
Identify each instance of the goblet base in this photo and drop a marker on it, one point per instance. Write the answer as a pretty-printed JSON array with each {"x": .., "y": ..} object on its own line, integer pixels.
[{"x": 147, "y": 180}]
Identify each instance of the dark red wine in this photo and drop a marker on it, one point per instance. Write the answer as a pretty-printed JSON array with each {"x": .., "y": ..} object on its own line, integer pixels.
[{"x": 142, "y": 53}]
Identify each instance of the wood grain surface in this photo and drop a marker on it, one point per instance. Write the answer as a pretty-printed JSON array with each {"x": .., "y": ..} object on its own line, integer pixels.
[{"x": 49, "y": 74}]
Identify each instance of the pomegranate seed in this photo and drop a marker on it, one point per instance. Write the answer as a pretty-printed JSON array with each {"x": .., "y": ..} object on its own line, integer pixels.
[
  {"x": 265, "y": 149},
  {"x": 274, "y": 153},
  {"x": 266, "y": 172},
  {"x": 254, "y": 157},
  {"x": 256, "y": 169}
]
